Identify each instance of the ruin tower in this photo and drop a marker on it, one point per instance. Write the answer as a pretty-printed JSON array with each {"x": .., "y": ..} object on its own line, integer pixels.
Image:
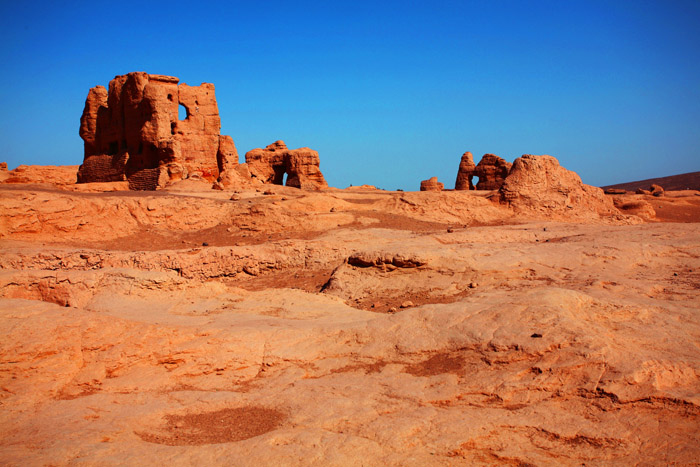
[{"x": 132, "y": 132}]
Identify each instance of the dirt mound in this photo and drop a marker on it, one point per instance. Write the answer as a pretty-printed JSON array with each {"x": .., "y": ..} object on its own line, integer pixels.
[
  {"x": 637, "y": 207},
  {"x": 447, "y": 207},
  {"x": 49, "y": 174},
  {"x": 538, "y": 185}
]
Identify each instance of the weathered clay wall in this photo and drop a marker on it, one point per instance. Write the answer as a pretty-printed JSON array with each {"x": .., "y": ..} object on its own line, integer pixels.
[
  {"x": 491, "y": 171},
  {"x": 302, "y": 166},
  {"x": 132, "y": 132},
  {"x": 431, "y": 184}
]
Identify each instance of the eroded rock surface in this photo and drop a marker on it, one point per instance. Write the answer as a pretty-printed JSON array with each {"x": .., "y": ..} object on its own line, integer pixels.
[{"x": 347, "y": 327}]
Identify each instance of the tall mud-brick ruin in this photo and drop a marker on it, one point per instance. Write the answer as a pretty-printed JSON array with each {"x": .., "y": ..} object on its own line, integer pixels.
[{"x": 132, "y": 132}]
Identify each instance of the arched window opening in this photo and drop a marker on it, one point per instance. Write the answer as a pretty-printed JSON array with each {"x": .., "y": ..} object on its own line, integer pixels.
[{"x": 183, "y": 113}]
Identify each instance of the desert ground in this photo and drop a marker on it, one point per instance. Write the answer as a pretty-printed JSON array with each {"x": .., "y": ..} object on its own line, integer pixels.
[{"x": 277, "y": 326}]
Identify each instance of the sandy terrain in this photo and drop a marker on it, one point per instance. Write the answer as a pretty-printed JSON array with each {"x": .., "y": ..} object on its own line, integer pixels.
[{"x": 345, "y": 327}]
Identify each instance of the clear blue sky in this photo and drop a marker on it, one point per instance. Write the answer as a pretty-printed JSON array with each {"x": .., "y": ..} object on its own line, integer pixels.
[{"x": 389, "y": 93}]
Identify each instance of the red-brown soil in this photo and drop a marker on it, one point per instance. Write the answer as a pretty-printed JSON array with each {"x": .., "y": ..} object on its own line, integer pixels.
[{"x": 220, "y": 426}]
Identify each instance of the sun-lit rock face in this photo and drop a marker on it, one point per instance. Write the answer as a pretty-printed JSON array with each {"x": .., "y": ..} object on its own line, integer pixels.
[{"x": 132, "y": 132}]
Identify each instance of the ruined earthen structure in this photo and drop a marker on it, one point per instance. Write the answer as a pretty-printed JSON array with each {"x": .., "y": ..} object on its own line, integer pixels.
[
  {"x": 301, "y": 166},
  {"x": 431, "y": 184},
  {"x": 132, "y": 132},
  {"x": 492, "y": 172},
  {"x": 465, "y": 173}
]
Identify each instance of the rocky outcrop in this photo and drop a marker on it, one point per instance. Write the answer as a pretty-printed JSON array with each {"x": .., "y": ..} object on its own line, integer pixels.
[
  {"x": 465, "y": 172},
  {"x": 656, "y": 190},
  {"x": 431, "y": 184},
  {"x": 492, "y": 172},
  {"x": 132, "y": 132},
  {"x": 540, "y": 184},
  {"x": 302, "y": 166}
]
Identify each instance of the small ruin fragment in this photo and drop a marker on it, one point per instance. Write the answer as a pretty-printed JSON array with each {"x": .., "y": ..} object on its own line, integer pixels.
[
  {"x": 431, "y": 184},
  {"x": 301, "y": 166}
]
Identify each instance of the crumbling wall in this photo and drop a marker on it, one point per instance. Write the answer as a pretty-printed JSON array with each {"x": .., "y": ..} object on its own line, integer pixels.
[
  {"x": 302, "y": 166},
  {"x": 132, "y": 132}
]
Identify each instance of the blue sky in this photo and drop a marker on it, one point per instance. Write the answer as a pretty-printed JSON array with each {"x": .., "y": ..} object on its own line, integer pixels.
[{"x": 388, "y": 93}]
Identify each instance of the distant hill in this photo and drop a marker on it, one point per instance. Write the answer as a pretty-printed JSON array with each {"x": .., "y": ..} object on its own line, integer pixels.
[{"x": 689, "y": 181}]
